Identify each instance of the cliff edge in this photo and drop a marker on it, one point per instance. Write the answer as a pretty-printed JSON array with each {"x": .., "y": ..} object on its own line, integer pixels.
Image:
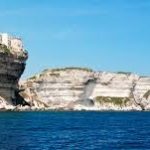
[{"x": 12, "y": 65}]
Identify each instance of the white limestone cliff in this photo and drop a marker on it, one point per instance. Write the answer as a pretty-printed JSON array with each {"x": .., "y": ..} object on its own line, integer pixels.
[
  {"x": 84, "y": 89},
  {"x": 12, "y": 65}
]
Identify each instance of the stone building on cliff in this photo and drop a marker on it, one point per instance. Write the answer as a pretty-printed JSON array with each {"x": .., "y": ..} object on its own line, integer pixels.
[{"x": 13, "y": 43}]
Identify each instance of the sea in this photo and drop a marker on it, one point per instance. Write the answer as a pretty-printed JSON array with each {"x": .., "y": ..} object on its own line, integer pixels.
[{"x": 74, "y": 130}]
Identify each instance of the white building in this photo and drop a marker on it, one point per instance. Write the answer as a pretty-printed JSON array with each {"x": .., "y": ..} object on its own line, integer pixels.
[{"x": 11, "y": 42}]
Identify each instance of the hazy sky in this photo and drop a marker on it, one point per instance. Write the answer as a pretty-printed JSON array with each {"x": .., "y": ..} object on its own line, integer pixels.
[{"x": 109, "y": 35}]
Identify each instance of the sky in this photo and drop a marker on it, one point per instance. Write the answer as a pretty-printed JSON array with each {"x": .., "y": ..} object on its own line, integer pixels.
[{"x": 105, "y": 35}]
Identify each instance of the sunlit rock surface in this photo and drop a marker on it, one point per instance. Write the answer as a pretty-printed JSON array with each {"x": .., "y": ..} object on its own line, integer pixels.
[{"x": 84, "y": 89}]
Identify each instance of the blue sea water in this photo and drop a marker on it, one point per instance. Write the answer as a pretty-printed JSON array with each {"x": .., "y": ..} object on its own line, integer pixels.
[{"x": 74, "y": 130}]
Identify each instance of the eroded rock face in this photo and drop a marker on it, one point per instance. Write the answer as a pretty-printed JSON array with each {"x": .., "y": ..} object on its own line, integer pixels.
[
  {"x": 12, "y": 66},
  {"x": 77, "y": 88}
]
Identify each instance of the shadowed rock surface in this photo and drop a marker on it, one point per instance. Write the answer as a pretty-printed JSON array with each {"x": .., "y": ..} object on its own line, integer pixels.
[{"x": 12, "y": 66}]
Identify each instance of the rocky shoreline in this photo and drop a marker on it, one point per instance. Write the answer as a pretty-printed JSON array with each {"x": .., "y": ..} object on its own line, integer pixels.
[{"x": 77, "y": 108}]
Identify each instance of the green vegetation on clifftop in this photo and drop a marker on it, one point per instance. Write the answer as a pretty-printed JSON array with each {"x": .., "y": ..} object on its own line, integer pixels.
[
  {"x": 125, "y": 73},
  {"x": 68, "y": 68},
  {"x": 4, "y": 48}
]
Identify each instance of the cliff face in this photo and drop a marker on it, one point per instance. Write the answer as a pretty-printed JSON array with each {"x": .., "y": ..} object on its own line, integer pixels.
[
  {"x": 77, "y": 88},
  {"x": 12, "y": 65}
]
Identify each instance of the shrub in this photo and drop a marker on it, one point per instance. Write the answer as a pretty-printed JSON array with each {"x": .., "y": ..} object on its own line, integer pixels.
[
  {"x": 54, "y": 74},
  {"x": 4, "y": 48},
  {"x": 115, "y": 100},
  {"x": 71, "y": 68},
  {"x": 32, "y": 78},
  {"x": 125, "y": 73}
]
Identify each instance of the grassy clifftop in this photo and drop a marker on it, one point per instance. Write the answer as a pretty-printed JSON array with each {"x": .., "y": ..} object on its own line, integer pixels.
[{"x": 69, "y": 68}]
